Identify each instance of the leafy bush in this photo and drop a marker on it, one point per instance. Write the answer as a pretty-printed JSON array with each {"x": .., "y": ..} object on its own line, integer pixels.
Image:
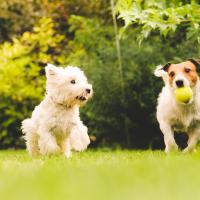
[
  {"x": 22, "y": 85},
  {"x": 163, "y": 16}
]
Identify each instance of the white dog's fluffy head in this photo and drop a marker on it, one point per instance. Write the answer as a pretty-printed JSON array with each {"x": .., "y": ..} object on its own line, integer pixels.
[{"x": 67, "y": 86}]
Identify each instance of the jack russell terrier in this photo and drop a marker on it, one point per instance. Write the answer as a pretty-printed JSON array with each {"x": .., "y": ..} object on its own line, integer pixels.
[{"x": 175, "y": 116}]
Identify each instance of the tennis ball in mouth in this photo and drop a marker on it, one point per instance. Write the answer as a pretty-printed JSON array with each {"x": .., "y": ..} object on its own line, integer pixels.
[{"x": 183, "y": 94}]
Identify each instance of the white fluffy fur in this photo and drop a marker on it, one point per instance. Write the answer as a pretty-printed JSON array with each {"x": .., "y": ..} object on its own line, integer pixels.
[
  {"x": 55, "y": 125},
  {"x": 173, "y": 116}
]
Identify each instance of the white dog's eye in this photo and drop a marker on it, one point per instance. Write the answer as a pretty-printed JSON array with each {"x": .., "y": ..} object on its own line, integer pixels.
[{"x": 73, "y": 81}]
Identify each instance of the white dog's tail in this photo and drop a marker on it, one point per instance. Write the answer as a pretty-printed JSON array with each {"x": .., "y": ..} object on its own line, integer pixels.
[
  {"x": 27, "y": 126},
  {"x": 30, "y": 136}
]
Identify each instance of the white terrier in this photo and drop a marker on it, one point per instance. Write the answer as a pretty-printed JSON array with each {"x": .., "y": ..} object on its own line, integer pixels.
[
  {"x": 55, "y": 125},
  {"x": 173, "y": 116}
]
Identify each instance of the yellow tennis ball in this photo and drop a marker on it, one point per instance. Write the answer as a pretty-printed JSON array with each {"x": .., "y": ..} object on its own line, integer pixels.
[{"x": 183, "y": 94}]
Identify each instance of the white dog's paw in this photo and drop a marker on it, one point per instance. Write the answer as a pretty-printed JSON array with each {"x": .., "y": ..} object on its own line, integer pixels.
[
  {"x": 67, "y": 154},
  {"x": 48, "y": 147},
  {"x": 79, "y": 141},
  {"x": 80, "y": 146},
  {"x": 33, "y": 153},
  {"x": 171, "y": 146}
]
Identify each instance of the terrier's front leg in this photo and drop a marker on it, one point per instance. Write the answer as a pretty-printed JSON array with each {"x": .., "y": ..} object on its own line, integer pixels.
[
  {"x": 47, "y": 143},
  {"x": 170, "y": 144},
  {"x": 194, "y": 137}
]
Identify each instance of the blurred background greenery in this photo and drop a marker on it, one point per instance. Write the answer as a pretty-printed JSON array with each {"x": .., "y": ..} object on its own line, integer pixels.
[{"x": 84, "y": 33}]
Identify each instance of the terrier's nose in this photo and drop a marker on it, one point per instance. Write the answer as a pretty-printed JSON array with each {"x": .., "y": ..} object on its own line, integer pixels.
[
  {"x": 88, "y": 91},
  {"x": 179, "y": 83}
]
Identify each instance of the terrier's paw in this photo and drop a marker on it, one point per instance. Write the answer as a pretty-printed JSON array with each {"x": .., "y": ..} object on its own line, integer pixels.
[
  {"x": 188, "y": 149},
  {"x": 170, "y": 147}
]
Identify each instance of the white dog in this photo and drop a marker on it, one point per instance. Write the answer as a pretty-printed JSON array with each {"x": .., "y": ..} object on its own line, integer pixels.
[
  {"x": 173, "y": 116},
  {"x": 55, "y": 125}
]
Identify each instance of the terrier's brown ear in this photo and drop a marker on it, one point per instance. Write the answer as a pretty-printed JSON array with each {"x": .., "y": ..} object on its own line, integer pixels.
[
  {"x": 160, "y": 72},
  {"x": 166, "y": 66},
  {"x": 196, "y": 62}
]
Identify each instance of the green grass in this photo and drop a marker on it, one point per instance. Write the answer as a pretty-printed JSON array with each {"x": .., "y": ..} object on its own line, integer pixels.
[{"x": 113, "y": 175}]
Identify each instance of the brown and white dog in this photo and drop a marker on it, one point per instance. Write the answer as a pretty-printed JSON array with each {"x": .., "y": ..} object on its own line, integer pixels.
[{"x": 173, "y": 116}]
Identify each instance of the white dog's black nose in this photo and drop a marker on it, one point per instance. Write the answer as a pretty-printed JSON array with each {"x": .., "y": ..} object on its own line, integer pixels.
[
  {"x": 179, "y": 83},
  {"x": 88, "y": 91}
]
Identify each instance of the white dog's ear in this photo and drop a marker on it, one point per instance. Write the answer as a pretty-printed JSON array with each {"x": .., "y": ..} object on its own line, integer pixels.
[
  {"x": 51, "y": 70},
  {"x": 161, "y": 71}
]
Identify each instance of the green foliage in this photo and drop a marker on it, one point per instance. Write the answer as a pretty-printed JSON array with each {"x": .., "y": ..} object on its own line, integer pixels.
[
  {"x": 18, "y": 16},
  {"x": 20, "y": 61},
  {"x": 20, "y": 71},
  {"x": 163, "y": 16}
]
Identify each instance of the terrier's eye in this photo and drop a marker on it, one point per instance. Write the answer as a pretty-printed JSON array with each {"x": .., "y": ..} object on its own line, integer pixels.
[
  {"x": 171, "y": 74},
  {"x": 187, "y": 70},
  {"x": 73, "y": 81}
]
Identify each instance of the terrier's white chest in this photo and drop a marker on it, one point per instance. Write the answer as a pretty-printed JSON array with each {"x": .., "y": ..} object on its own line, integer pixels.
[
  {"x": 180, "y": 117},
  {"x": 185, "y": 120}
]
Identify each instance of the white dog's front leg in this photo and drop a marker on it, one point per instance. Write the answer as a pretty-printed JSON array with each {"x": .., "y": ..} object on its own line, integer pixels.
[
  {"x": 32, "y": 144},
  {"x": 47, "y": 143},
  {"x": 170, "y": 144},
  {"x": 192, "y": 140},
  {"x": 66, "y": 147},
  {"x": 79, "y": 138}
]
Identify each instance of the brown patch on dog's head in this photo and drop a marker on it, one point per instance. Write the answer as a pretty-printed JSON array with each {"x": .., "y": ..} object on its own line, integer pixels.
[
  {"x": 188, "y": 69},
  {"x": 196, "y": 62}
]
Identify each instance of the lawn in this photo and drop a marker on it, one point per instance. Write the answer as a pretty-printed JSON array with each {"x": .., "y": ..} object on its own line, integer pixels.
[{"x": 113, "y": 175}]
